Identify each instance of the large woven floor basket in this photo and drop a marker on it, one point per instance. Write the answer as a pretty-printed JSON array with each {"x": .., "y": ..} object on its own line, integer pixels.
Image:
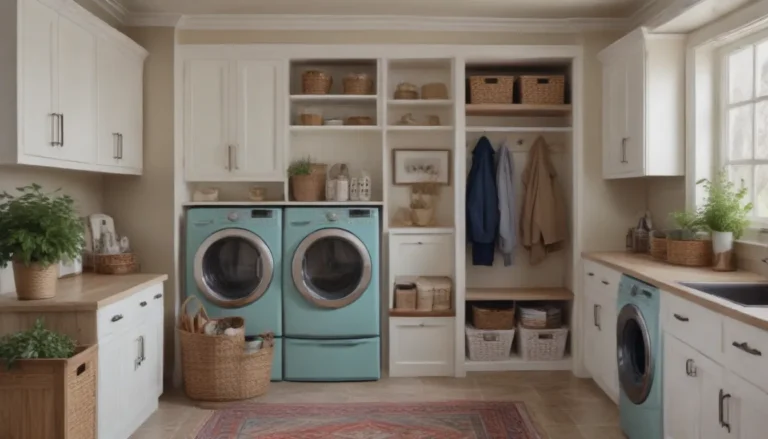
[{"x": 217, "y": 368}]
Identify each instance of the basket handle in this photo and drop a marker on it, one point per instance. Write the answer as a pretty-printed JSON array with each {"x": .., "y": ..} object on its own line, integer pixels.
[
  {"x": 201, "y": 308},
  {"x": 542, "y": 81},
  {"x": 491, "y": 80},
  {"x": 546, "y": 336}
]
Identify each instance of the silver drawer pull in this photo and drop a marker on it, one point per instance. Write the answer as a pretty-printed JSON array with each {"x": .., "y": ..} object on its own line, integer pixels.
[{"x": 117, "y": 318}]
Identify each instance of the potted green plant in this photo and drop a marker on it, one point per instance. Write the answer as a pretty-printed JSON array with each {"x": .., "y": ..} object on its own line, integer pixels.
[
  {"x": 38, "y": 231},
  {"x": 687, "y": 245},
  {"x": 53, "y": 376},
  {"x": 725, "y": 214},
  {"x": 305, "y": 186}
]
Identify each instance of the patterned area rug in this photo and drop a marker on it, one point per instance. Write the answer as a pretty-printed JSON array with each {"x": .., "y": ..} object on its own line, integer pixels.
[{"x": 441, "y": 420}]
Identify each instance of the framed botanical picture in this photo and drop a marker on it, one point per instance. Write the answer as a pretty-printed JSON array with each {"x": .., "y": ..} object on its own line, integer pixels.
[{"x": 410, "y": 166}]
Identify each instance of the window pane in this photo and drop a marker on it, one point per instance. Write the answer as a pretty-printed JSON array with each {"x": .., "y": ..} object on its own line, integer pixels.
[
  {"x": 762, "y": 69},
  {"x": 761, "y": 125},
  {"x": 761, "y": 189},
  {"x": 740, "y": 75},
  {"x": 740, "y": 132},
  {"x": 741, "y": 176}
]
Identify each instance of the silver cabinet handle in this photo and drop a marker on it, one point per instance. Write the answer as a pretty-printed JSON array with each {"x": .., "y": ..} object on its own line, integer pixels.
[
  {"x": 116, "y": 143},
  {"x": 61, "y": 130},
  {"x": 690, "y": 368},
  {"x": 54, "y": 120},
  {"x": 229, "y": 157},
  {"x": 120, "y": 145},
  {"x": 234, "y": 148},
  {"x": 624, "y": 150},
  {"x": 596, "y": 312}
]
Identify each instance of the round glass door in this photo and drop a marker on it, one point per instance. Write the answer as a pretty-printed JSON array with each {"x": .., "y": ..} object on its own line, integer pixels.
[
  {"x": 331, "y": 268},
  {"x": 634, "y": 354},
  {"x": 233, "y": 268}
]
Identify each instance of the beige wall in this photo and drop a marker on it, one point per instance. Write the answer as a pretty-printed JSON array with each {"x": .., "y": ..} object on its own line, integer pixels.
[
  {"x": 93, "y": 7},
  {"x": 144, "y": 206}
]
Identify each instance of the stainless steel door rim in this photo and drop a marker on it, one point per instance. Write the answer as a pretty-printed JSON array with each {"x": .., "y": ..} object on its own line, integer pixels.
[
  {"x": 267, "y": 266},
  {"x": 297, "y": 268},
  {"x": 636, "y": 373}
]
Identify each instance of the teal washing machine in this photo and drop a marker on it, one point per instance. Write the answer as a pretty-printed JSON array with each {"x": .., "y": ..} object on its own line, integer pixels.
[
  {"x": 233, "y": 265},
  {"x": 639, "y": 359},
  {"x": 331, "y": 294}
]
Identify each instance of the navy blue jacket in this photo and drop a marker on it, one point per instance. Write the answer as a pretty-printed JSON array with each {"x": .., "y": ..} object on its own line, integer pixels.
[{"x": 482, "y": 204}]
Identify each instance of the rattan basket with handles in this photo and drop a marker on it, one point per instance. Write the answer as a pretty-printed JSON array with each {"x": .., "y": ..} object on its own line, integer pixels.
[
  {"x": 492, "y": 316},
  {"x": 316, "y": 82},
  {"x": 694, "y": 253},
  {"x": 658, "y": 248},
  {"x": 491, "y": 89},
  {"x": 542, "y": 89},
  {"x": 358, "y": 84}
]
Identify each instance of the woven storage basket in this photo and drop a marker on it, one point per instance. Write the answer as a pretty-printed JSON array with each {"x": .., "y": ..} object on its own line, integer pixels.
[
  {"x": 123, "y": 263},
  {"x": 542, "y": 90},
  {"x": 493, "y": 316},
  {"x": 658, "y": 246},
  {"x": 50, "y": 398},
  {"x": 359, "y": 120},
  {"x": 405, "y": 296},
  {"x": 406, "y": 94},
  {"x": 491, "y": 89},
  {"x": 307, "y": 187},
  {"x": 425, "y": 297},
  {"x": 542, "y": 344},
  {"x": 441, "y": 286},
  {"x": 695, "y": 253},
  {"x": 484, "y": 345},
  {"x": 540, "y": 317},
  {"x": 311, "y": 119},
  {"x": 358, "y": 84},
  {"x": 35, "y": 282},
  {"x": 315, "y": 82},
  {"x": 434, "y": 90}
]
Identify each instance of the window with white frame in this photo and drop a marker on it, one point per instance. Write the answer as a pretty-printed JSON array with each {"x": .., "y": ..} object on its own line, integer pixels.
[{"x": 744, "y": 118}]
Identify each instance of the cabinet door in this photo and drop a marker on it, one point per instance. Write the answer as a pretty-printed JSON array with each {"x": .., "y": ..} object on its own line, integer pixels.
[
  {"x": 614, "y": 117},
  {"x": 709, "y": 376},
  {"x": 634, "y": 137},
  {"x": 157, "y": 351},
  {"x": 132, "y": 123},
  {"x": 77, "y": 92},
  {"x": 206, "y": 120},
  {"x": 258, "y": 149},
  {"x": 421, "y": 346},
  {"x": 607, "y": 318},
  {"x": 745, "y": 409},
  {"x": 110, "y": 69},
  {"x": 682, "y": 392},
  {"x": 592, "y": 337},
  {"x": 117, "y": 356},
  {"x": 37, "y": 52}
]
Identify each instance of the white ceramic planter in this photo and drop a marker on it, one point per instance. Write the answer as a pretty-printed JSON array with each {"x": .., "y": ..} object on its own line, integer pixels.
[{"x": 722, "y": 248}]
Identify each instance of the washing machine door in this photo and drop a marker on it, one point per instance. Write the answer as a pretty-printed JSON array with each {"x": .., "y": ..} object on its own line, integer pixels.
[
  {"x": 331, "y": 268},
  {"x": 634, "y": 354},
  {"x": 233, "y": 267}
]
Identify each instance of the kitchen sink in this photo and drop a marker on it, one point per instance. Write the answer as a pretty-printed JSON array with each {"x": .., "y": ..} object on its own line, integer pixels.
[{"x": 745, "y": 294}]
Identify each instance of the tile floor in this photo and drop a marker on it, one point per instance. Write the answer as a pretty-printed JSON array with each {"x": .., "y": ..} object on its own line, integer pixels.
[{"x": 563, "y": 407}]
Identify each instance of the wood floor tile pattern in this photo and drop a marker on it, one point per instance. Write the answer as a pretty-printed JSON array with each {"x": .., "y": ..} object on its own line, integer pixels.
[{"x": 562, "y": 406}]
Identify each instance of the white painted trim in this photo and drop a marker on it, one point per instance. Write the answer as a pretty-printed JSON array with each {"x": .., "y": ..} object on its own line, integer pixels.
[
  {"x": 304, "y": 22},
  {"x": 517, "y": 363},
  {"x": 577, "y": 179},
  {"x": 737, "y": 25},
  {"x": 114, "y": 8},
  {"x": 138, "y": 19}
]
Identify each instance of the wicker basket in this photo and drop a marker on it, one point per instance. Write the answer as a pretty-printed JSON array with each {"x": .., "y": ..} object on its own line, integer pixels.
[
  {"x": 425, "y": 297},
  {"x": 307, "y": 188},
  {"x": 315, "y": 82},
  {"x": 434, "y": 90},
  {"x": 123, "y": 263},
  {"x": 312, "y": 119},
  {"x": 35, "y": 282},
  {"x": 50, "y": 398},
  {"x": 694, "y": 253},
  {"x": 486, "y": 345},
  {"x": 405, "y": 296},
  {"x": 658, "y": 246},
  {"x": 358, "y": 84},
  {"x": 540, "y": 316},
  {"x": 358, "y": 120},
  {"x": 491, "y": 89},
  {"x": 542, "y": 344},
  {"x": 542, "y": 90},
  {"x": 441, "y": 286},
  {"x": 406, "y": 94},
  {"x": 493, "y": 316}
]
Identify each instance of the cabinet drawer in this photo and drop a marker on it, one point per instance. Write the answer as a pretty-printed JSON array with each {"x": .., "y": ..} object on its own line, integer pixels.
[
  {"x": 746, "y": 352},
  {"x": 693, "y": 324},
  {"x": 332, "y": 360},
  {"x": 421, "y": 346},
  {"x": 601, "y": 282},
  {"x": 129, "y": 312},
  {"x": 425, "y": 255}
]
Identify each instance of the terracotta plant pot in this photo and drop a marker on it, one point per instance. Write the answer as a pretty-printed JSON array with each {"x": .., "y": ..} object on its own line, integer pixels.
[{"x": 35, "y": 282}]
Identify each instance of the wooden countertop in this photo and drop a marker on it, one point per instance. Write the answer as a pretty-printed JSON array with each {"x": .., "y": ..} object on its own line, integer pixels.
[
  {"x": 667, "y": 277},
  {"x": 86, "y": 292}
]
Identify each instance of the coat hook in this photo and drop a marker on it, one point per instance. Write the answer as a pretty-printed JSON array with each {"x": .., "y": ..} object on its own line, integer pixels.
[{"x": 520, "y": 142}]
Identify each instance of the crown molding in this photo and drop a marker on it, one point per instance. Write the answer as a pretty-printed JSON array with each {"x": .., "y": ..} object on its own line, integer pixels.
[
  {"x": 114, "y": 8},
  {"x": 299, "y": 22},
  {"x": 153, "y": 20}
]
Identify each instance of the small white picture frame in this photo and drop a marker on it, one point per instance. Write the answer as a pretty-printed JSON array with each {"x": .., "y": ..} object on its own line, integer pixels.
[{"x": 412, "y": 166}]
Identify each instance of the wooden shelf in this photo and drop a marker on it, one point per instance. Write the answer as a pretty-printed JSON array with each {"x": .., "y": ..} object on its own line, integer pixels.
[
  {"x": 522, "y": 294},
  {"x": 519, "y": 129},
  {"x": 519, "y": 110},
  {"x": 334, "y": 98},
  {"x": 419, "y": 128},
  {"x": 283, "y": 203},
  {"x": 516, "y": 362},
  {"x": 334, "y": 128},
  {"x": 420, "y": 102},
  {"x": 408, "y": 313},
  {"x": 395, "y": 230}
]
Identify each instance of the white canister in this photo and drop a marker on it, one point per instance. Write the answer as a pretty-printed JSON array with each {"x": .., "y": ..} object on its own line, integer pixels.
[
  {"x": 354, "y": 189},
  {"x": 342, "y": 188},
  {"x": 330, "y": 189}
]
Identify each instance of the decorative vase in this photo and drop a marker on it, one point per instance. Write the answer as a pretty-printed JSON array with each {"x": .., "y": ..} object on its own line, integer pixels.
[
  {"x": 35, "y": 281},
  {"x": 724, "y": 257},
  {"x": 365, "y": 187},
  {"x": 422, "y": 217},
  {"x": 354, "y": 189}
]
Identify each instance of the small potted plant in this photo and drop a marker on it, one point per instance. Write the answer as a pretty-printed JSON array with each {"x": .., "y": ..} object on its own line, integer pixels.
[
  {"x": 52, "y": 375},
  {"x": 305, "y": 185},
  {"x": 38, "y": 231},
  {"x": 687, "y": 245},
  {"x": 725, "y": 214}
]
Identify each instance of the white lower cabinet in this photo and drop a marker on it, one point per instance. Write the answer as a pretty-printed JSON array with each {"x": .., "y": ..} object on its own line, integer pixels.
[
  {"x": 421, "y": 346},
  {"x": 130, "y": 362},
  {"x": 745, "y": 409},
  {"x": 600, "y": 302}
]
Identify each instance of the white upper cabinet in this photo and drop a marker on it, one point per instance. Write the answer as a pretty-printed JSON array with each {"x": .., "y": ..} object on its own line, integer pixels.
[
  {"x": 233, "y": 120},
  {"x": 74, "y": 79},
  {"x": 644, "y": 106}
]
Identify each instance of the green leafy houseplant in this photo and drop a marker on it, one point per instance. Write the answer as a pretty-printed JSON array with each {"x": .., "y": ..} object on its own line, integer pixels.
[
  {"x": 725, "y": 209},
  {"x": 38, "y": 231},
  {"x": 37, "y": 342},
  {"x": 302, "y": 166},
  {"x": 690, "y": 224}
]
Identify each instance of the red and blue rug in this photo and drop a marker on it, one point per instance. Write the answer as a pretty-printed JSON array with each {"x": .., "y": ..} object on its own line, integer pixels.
[{"x": 438, "y": 420}]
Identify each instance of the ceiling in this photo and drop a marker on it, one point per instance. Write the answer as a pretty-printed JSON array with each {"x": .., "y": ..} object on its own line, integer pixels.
[{"x": 444, "y": 8}]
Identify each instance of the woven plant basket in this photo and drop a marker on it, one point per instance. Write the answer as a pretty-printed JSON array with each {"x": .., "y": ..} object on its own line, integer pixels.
[
  {"x": 35, "y": 282},
  {"x": 491, "y": 89},
  {"x": 658, "y": 246},
  {"x": 358, "y": 84},
  {"x": 306, "y": 188},
  {"x": 435, "y": 90},
  {"x": 490, "y": 316},
  {"x": 695, "y": 253},
  {"x": 542, "y": 90},
  {"x": 315, "y": 82},
  {"x": 50, "y": 398},
  {"x": 123, "y": 263}
]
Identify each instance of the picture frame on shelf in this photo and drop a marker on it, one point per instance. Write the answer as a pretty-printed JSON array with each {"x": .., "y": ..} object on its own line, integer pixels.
[{"x": 411, "y": 166}]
